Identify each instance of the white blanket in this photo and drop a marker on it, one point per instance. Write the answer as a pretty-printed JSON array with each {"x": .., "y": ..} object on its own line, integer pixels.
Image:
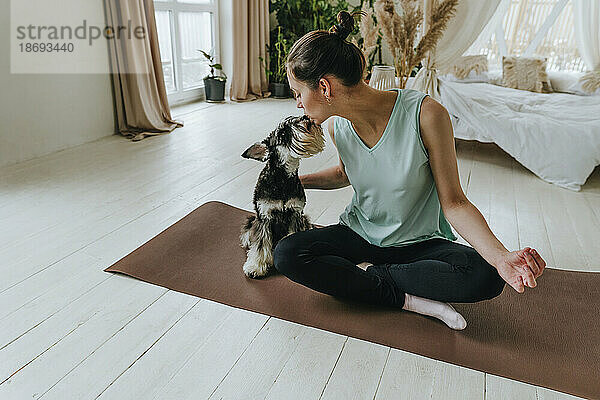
[{"x": 556, "y": 136}]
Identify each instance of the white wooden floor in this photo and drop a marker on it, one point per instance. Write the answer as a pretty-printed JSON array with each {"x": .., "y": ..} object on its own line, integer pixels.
[{"x": 68, "y": 330}]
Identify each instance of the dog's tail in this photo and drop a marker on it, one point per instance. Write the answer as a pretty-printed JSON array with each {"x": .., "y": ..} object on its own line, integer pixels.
[{"x": 246, "y": 232}]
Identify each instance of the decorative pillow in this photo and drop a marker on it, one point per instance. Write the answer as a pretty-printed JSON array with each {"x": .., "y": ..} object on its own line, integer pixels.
[
  {"x": 526, "y": 73},
  {"x": 468, "y": 69},
  {"x": 563, "y": 81},
  {"x": 589, "y": 83}
]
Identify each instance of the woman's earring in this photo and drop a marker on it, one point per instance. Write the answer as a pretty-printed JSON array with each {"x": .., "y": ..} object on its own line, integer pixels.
[{"x": 328, "y": 100}]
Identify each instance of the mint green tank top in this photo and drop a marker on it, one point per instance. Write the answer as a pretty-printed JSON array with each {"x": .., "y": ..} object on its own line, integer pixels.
[{"x": 395, "y": 201}]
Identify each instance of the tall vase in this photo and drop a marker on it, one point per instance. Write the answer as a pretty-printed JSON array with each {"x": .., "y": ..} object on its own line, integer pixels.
[{"x": 383, "y": 77}]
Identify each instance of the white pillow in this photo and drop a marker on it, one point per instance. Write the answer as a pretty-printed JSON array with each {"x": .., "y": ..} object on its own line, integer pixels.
[
  {"x": 563, "y": 81},
  {"x": 495, "y": 77},
  {"x": 473, "y": 77}
]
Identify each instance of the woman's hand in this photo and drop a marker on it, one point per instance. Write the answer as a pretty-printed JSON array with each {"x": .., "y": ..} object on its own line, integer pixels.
[{"x": 520, "y": 268}]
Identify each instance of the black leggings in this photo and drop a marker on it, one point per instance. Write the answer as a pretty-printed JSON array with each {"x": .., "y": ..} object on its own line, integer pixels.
[{"x": 324, "y": 259}]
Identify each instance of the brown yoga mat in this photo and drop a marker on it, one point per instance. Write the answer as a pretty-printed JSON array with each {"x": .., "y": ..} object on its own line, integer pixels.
[{"x": 547, "y": 336}]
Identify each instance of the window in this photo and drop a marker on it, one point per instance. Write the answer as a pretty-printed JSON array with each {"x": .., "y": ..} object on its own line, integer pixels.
[
  {"x": 184, "y": 27},
  {"x": 546, "y": 25}
]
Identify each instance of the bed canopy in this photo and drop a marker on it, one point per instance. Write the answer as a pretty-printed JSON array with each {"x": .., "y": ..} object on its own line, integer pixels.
[{"x": 475, "y": 22}]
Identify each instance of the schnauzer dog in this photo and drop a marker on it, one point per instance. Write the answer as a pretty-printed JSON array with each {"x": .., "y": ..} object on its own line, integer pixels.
[{"x": 279, "y": 197}]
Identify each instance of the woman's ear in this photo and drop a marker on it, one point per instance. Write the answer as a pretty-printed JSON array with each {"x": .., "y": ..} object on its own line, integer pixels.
[{"x": 325, "y": 87}]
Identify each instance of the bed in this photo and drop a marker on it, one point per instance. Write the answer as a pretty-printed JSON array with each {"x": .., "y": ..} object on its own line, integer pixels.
[{"x": 556, "y": 135}]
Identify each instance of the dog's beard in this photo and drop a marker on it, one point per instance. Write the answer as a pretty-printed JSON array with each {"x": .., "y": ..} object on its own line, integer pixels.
[{"x": 307, "y": 142}]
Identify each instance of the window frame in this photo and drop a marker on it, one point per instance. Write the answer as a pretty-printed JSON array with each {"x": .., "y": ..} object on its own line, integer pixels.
[{"x": 181, "y": 95}]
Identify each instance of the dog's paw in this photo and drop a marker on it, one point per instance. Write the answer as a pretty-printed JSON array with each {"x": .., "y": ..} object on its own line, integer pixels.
[{"x": 255, "y": 271}]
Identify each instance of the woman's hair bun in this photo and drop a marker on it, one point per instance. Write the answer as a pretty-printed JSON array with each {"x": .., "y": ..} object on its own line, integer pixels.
[{"x": 345, "y": 25}]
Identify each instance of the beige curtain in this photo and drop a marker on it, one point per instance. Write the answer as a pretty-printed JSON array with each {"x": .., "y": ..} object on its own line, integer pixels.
[
  {"x": 139, "y": 89},
  {"x": 250, "y": 37},
  {"x": 462, "y": 30}
]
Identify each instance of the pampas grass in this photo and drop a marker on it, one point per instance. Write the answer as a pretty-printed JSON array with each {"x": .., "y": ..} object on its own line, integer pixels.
[
  {"x": 400, "y": 31},
  {"x": 368, "y": 30}
]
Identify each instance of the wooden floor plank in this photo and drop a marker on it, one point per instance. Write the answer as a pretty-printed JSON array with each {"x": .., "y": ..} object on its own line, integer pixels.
[
  {"x": 306, "y": 372},
  {"x": 89, "y": 377},
  {"x": 532, "y": 227},
  {"x": 153, "y": 369},
  {"x": 407, "y": 376},
  {"x": 357, "y": 371},
  {"x": 43, "y": 355},
  {"x": 256, "y": 370}
]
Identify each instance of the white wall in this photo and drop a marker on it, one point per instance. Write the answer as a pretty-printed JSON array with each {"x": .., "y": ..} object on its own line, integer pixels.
[{"x": 43, "y": 113}]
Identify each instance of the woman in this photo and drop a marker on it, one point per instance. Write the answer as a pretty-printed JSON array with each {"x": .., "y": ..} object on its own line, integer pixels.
[{"x": 393, "y": 244}]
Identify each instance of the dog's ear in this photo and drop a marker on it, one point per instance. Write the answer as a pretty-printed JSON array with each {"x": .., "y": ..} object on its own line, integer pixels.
[{"x": 257, "y": 151}]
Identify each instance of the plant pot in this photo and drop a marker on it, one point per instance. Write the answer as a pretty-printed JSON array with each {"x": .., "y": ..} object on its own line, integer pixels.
[
  {"x": 214, "y": 90},
  {"x": 281, "y": 90}
]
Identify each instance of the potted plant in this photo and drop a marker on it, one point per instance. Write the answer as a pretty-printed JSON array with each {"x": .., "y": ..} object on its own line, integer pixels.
[
  {"x": 294, "y": 19},
  {"x": 281, "y": 88},
  {"x": 214, "y": 85}
]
